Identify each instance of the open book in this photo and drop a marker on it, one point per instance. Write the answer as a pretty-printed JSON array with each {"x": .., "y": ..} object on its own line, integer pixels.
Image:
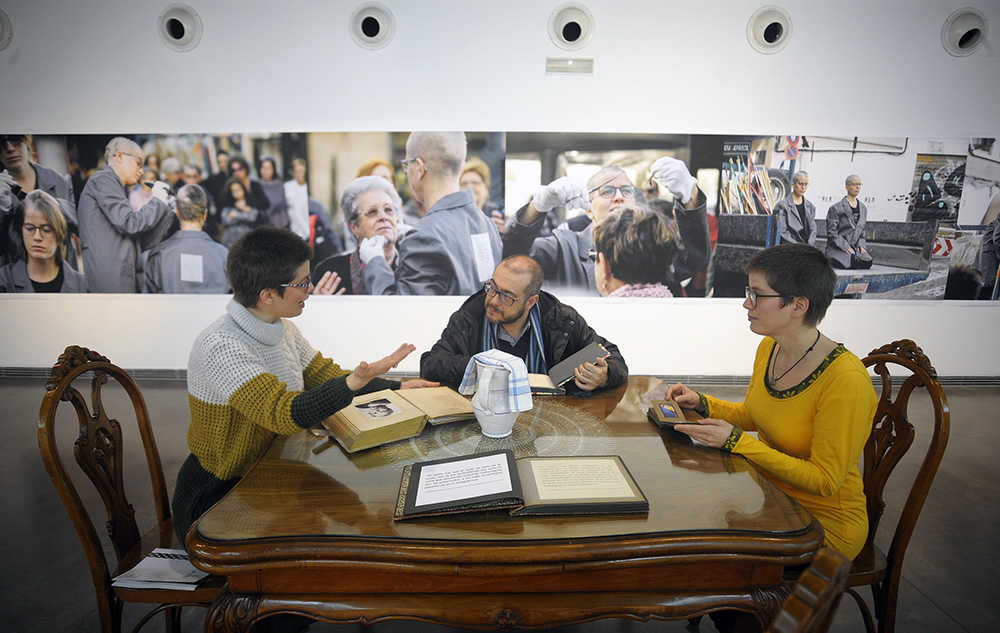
[
  {"x": 162, "y": 569},
  {"x": 552, "y": 383},
  {"x": 529, "y": 486},
  {"x": 388, "y": 415}
]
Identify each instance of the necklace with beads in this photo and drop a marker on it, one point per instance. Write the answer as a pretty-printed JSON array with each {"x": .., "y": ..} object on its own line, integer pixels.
[{"x": 774, "y": 380}]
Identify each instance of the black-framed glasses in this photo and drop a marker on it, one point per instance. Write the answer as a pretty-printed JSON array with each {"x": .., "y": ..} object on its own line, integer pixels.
[
  {"x": 753, "y": 295},
  {"x": 592, "y": 255},
  {"x": 13, "y": 139},
  {"x": 406, "y": 162},
  {"x": 301, "y": 284},
  {"x": 505, "y": 297},
  {"x": 608, "y": 191},
  {"x": 47, "y": 229}
]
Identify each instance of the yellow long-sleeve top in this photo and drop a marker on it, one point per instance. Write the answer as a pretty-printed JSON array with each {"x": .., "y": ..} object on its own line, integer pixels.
[{"x": 810, "y": 439}]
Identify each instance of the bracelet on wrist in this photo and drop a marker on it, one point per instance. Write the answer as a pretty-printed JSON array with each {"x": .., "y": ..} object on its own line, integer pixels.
[{"x": 734, "y": 437}]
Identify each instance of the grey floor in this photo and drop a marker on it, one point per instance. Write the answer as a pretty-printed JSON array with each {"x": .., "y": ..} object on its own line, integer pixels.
[{"x": 950, "y": 577}]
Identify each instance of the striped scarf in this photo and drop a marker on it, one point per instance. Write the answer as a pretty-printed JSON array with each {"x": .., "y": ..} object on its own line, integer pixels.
[{"x": 536, "y": 350}]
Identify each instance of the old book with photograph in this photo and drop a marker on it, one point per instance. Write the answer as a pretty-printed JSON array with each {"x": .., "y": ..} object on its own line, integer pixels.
[
  {"x": 529, "y": 486},
  {"x": 387, "y": 415},
  {"x": 667, "y": 413}
]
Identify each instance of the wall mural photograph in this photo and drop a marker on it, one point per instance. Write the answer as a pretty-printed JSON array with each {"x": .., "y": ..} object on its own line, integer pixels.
[{"x": 618, "y": 215}]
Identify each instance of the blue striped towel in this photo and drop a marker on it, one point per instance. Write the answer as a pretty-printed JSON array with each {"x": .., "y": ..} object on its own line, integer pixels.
[{"x": 518, "y": 392}]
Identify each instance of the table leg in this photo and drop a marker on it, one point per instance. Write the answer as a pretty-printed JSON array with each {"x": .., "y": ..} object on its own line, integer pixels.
[{"x": 232, "y": 613}]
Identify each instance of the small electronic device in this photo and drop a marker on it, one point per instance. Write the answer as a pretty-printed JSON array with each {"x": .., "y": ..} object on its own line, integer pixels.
[{"x": 666, "y": 413}]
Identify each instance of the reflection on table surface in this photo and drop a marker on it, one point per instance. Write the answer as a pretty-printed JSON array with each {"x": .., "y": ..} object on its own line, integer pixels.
[{"x": 294, "y": 492}]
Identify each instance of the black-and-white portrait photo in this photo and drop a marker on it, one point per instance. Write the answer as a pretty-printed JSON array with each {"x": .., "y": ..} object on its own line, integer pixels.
[{"x": 381, "y": 408}]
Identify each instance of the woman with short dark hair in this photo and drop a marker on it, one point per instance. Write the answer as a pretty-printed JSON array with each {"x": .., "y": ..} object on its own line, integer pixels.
[
  {"x": 810, "y": 400},
  {"x": 633, "y": 251}
]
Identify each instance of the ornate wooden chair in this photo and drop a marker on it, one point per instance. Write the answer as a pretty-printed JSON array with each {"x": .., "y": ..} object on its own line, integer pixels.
[
  {"x": 810, "y": 606},
  {"x": 98, "y": 453},
  {"x": 892, "y": 435}
]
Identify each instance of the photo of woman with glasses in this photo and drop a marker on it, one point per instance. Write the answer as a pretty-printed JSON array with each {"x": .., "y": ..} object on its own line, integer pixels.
[
  {"x": 371, "y": 209},
  {"x": 810, "y": 400},
  {"x": 40, "y": 268}
]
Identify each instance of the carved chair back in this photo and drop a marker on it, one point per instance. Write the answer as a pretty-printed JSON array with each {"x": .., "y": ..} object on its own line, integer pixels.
[
  {"x": 814, "y": 597},
  {"x": 98, "y": 453},
  {"x": 892, "y": 435}
]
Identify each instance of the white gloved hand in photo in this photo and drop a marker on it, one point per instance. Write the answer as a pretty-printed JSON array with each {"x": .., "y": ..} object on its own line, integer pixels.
[
  {"x": 674, "y": 175},
  {"x": 371, "y": 247},
  {"x": 560, "y": 192},
  {"x": 161, "y": 191}
]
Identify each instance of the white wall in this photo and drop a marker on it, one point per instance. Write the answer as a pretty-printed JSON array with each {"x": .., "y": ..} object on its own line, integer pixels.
[
  {"x": 656, "y": 336},
  {"x": 851, "y": 68}
]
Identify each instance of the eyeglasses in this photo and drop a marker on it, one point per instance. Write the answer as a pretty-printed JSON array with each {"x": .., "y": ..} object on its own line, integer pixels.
[
  {"x": 238, "y": 167},
  {"x": 406, "y": 162},
  {"x": 301, "y": 284},
  {"x": 506, "y": 298},
  {"x": 47, "y": 229},
  {"x": 13, "y": 139},
  {"x": 137, "y": 157},
  {"x": 753, "y": 295},
  {"x": 592, "y": 255},
  {"x": 608, "y": 191}
]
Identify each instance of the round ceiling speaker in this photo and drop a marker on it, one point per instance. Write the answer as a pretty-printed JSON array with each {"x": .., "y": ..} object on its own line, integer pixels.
[
  {"x": 180, "y": 27},
  {"x": 372, "y": 25},
  {"x": 571, "y": 26},
  {"x": 964, "y": 32},
  {"x": 769, "y": 29}
]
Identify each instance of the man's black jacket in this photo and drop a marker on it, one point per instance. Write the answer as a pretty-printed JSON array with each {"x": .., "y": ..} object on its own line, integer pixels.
[{"x": 564, "y": 332}]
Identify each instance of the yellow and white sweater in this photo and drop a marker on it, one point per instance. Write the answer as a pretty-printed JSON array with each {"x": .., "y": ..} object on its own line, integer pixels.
[{"x": 248, "y": 381}]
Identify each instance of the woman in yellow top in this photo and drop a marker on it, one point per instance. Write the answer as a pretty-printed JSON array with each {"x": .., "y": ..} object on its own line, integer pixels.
[{"x": 810, "y": 401}]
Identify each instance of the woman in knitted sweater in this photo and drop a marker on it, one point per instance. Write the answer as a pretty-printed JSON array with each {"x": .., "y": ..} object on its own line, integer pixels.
[
  {"x": 810, "y": 401},
  {"x": 252, "y": 375}
]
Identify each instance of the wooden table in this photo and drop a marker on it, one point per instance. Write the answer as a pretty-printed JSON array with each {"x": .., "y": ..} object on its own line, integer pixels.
[{"x": 313, "y": 533}]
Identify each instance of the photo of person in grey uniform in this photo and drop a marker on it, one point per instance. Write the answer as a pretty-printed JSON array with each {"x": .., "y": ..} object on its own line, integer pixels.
[
  {"x": 796, "y": 215},
  {"x": 455, "y": 247},
  {"x": 845, "y": 229},
  {"x": 189, "y": 261},
  {"x": 112, "y": 234}
]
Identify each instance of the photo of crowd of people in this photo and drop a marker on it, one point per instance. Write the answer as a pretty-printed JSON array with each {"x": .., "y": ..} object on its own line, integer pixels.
[{"x": 432, "y": 213}]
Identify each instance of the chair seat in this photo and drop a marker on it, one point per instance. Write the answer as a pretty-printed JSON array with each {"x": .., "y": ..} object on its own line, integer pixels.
[
  {"x": 868, "y": 568},
  {"x": 208, "y": 589}
]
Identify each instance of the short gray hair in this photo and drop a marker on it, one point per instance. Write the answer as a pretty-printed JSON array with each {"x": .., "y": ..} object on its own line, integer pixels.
[
  {"x": 848, "y": 180},
  {"x": 120, "y": 144},
  {"x": 799, "y": 175},
  {"x": 443, "y": 152},
  {"x": 170, "y": 165},
  {"x": 357, "y": 188},
  {"x": 603, "y": 175},
  {"x": 191, "y": 203}
]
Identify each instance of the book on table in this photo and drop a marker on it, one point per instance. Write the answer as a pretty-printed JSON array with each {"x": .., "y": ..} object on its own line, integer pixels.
[
  {"x": 388, "y": 415},
  {"x": 162, "y": 569},
  {"x": 667, "y": 413},
  {"x": 562, "y": 372},
  {"x": 529, "y": 486}
]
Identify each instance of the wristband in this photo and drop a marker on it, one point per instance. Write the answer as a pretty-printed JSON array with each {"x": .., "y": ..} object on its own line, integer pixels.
[{"x": 734, "y": 437}]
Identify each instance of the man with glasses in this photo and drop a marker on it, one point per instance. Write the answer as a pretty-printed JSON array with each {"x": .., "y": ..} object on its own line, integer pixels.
[
  {"x": 565, "y": 255},
  {"x": 455, "y": 246},
  {"x": 513, "y": 314},
  {"x": 19, "y": 178},
  {"x": 111, "y": 232}
]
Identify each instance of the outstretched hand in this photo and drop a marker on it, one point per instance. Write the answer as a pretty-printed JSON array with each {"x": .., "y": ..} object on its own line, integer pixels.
[
  {"x": 364, "y": 372},
  {"x": 328, "y": 284},
  {"x": 418, "y": 383}
]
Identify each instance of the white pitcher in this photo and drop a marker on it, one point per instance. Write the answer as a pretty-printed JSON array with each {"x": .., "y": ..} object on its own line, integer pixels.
[{"x": 491, "y": 403}]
